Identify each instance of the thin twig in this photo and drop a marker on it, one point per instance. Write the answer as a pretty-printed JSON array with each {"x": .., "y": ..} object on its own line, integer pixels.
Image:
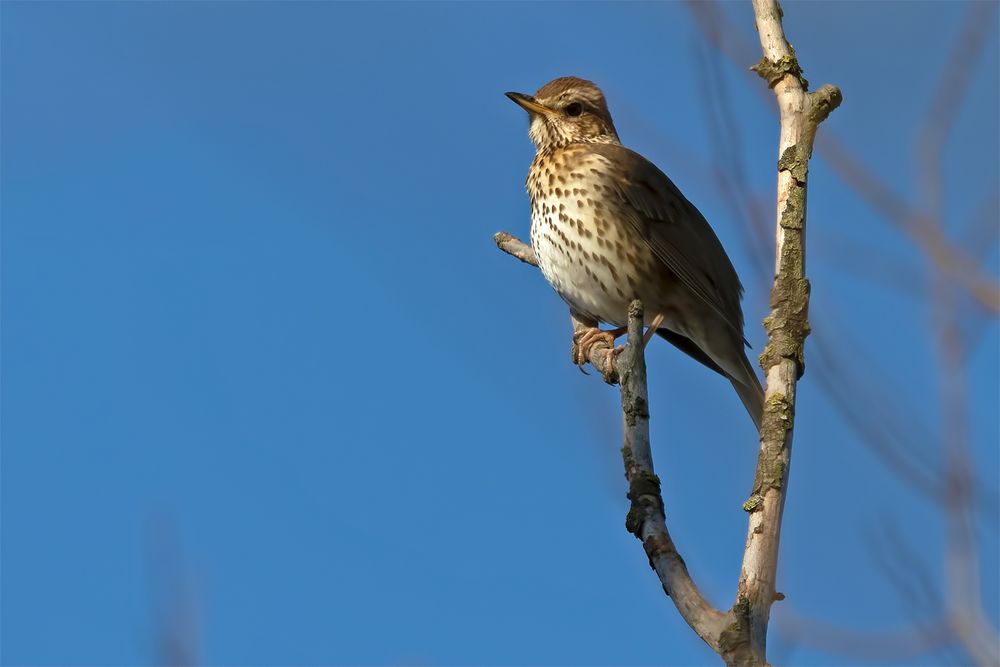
[{"x": 512, "y": 245}]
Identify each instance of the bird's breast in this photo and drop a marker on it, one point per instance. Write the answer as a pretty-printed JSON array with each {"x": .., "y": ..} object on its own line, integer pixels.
[{"x": 591, "y": 257}]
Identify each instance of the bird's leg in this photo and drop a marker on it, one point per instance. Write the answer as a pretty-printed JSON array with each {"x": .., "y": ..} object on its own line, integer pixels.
[
  {"x": 585, "y": 339},
  {"x": 651, "y": 330}
]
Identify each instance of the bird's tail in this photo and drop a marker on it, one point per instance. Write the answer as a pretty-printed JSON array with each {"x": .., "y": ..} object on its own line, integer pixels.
[
  {"x": 750, "y": 391},
  {"x": 723, "y": 362}
]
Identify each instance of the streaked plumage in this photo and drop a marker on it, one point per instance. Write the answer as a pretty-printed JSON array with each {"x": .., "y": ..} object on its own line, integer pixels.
[{"x": 608, "y": 226}]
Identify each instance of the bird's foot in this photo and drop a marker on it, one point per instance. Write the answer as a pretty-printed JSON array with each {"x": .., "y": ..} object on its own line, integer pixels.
[
  {"x": 585, "y": 339},
  {"x": 651, "y": 330}
]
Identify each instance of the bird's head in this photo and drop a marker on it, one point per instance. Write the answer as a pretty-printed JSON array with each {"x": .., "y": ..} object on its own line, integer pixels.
[{"x": 567, "y": 110}]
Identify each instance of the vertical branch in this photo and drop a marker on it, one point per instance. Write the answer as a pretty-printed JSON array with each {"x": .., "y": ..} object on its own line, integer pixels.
[
  {"x": 956, "y": 270},
  {"x": 787, "y": 326},
  {"x": 740, "y": 635}
]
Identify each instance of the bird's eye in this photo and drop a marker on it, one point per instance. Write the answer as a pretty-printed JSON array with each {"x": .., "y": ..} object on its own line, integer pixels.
[{"x": 574, "y": 109}]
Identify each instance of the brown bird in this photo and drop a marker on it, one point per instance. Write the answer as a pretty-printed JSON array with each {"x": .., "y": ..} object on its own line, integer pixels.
[{"x": 608, "y": 227}]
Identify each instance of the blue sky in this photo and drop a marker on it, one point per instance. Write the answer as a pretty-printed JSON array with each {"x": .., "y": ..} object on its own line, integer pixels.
[{"x": 264, "y": 372}]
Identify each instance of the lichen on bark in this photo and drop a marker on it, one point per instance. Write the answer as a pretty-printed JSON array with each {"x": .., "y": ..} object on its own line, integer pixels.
[
  {"x": 644, "y": 494},
  {"x": 824, "y": 100},
  {"x": 795, "y": 159},
  {"x": 753, "y": 503},
  {"x": 779, "y": 418},
  {"x": 734, "y": 641},
  {"x": 788, "y": 324},
  {"x": 637, "y": 408},
  {"x": 774, "y": 71}
]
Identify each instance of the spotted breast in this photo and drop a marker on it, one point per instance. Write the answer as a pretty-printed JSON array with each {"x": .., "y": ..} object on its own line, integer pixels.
[{"x": 597, "y": 264}]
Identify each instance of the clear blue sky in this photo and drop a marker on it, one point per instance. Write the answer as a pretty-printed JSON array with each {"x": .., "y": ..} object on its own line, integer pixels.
[{"x": 264, "y": 371}]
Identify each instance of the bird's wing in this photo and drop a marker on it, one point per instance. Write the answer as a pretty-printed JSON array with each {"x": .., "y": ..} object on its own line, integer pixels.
[{"x": 675, "y": 230}]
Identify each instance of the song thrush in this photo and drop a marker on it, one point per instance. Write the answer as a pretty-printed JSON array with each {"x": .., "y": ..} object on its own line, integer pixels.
[{"x": 608, "y": 227}]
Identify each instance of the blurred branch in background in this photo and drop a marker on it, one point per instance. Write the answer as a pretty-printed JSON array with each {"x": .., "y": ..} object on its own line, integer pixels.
[
  {"x": 962, "y": 301},
  {"x": 729, "y": 169},
  {"x": 891, "y": 432},
  {"x": 732, "y": 41},
  {"x": 906, "y": 644},
  {"x": 962, "y": 584},
  {"x": 174, "y": 611}
]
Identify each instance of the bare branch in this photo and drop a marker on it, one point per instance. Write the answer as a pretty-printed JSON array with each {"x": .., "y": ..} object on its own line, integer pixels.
[
  {"x": 965, "y": 269},
  {"x": 801, "y": 113},
  {"x": 646, "y": 519},
  {"x": 600, "y": 353},
  {"x": 954, "y": 265},
  {"x": 512, "y": 245},
  {"x": 739, "y": 636}
]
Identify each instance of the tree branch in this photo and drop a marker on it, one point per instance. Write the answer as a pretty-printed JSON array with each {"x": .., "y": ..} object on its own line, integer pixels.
[
  {"x": 949, "y": 257},
  {"x": 739, "y": 636},
  {"x": 646, "y": 518},
  {"x": 787, "y": 326},
  {"x": 512, "y": 245},
  {"x": 600, "y": 354}
]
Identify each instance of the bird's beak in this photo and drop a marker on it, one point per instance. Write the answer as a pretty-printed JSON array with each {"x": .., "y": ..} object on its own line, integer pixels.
[{"x": 528, "y": 103}]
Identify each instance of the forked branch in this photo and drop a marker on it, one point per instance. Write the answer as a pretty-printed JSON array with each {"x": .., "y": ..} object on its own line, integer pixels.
[{"x": 738, "y": 636}]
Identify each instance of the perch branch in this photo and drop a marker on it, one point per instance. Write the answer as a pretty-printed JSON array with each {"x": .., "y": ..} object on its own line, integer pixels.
[
  {"x": 739, "y": 636},
  {"x": 646, "y": 518},
  {"x": 599, "y": 355},
  {"x": 512, "y": 245}
]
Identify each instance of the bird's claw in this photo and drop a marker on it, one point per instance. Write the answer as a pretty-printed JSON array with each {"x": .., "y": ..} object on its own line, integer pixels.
[
  {"x": 610, "y": 372},
  {"x": 584, "y": 341}
]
